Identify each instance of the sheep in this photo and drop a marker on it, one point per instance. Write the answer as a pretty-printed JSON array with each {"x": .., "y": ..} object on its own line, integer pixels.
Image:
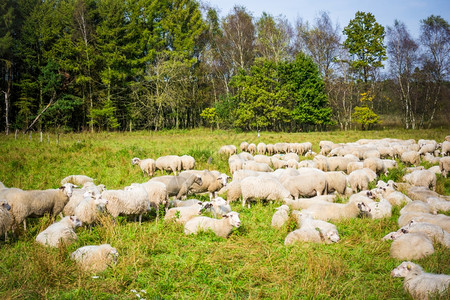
[
  {"x": 438, "y": 204},
  {"x": 439, "y": 219},
  {"x": 170, "y": 163},
  {"x": 325, "y": 150},
  {"x": 371, "y": 153},
  {"x": 241, "y": 174},
  {"x": 278, "y": 163},
  {"x": 386, "y": 152},
  {"x": 76, "y": 179},
  {"x": 270, "y": 148},
  {"x": 179, "y": 186},
  {"x": 309, "y": 164},
  {"x": 157, "y": 195},
  {"x": 411, "y": 246},
  {"x": 183, "y": 203},
  {"x": 5, "y": 218},
  {"x": 427, "y": 148},
  {"x": 444, "y": 165},
  {"x": 291, "y": 155},
  {"x": 307, "y": 202},
  {"x": 423, "y": 193},
  {"x": 228, "y": 150},
  {"x": 380, "y": 210},
  {"x": 389, "y": 164},
  {"x": 354, "y": 165},
  {"x": 321, "y": 163},
  {"x": 336, "y": 211},
  {"x": 95, "y": 258},
  {"x": 183, "y": 214},
  {"x": 423, "y": 142},
  {"x": 187, "y": 162},
  {"x": 219, "y": 206},
  {"x": 234, "y": 191},
  {"x": 338, "y": 163},
  {"x": 60, "y": 232},
  {"x": 78, "y": 196},
  {"x": 292, "y": 163},
  {"x": 394, "y": 197},
  {"x": 422, "y": 178},
  {"x": 221, "y": 227},
  {"x": 243, "y": 146},
  {"x": 262, "y": 188},
  {"x": 262, "y": 159},
  {"x": 235, "y": 163},
  {"x": 434, "y": 232},
  {"x": 435, "y": 169},
  {"x": 410, "y": 157},
  {"x": 336, "y": 181},
  {"x": 431, "y": 158},
  {"x": 245, "y": 156},
  {"x": 280, "y": 217},
  {"x": 310, "y": 182},
  {"x": 261, "y": 148},
  {"x": 252, "y": 148},
  {"x": 88, "y": 209},
  {"x": 375, "y": 164},
  {"x": 254, "y": 166},
  {"x": 147, "y": 165},
  {"x": 211, "y": 181},
  {"x": 359, "y": 179},
  {"x": 417, "y": 206},
  {"x": 445, "y": 148},
  {"x": 36, "y": 203},
  {"x": 134, "y": 200},
  {"x": 419, "y": 284},
  {"x": 316, "y": 231}
]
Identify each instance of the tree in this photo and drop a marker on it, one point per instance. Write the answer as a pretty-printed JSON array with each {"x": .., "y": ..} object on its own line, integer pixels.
[
  {"x": 365, "y": 116},
  {"x": 403, "y": 58},
  {"x": 365, "y": 41}
]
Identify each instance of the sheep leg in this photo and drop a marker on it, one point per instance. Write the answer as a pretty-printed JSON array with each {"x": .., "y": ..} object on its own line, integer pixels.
[
  {"x": 25, "y": 224},
  {"x": 243, "y": 202}
]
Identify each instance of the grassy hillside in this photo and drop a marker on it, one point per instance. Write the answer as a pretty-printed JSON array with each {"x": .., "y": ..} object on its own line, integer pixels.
[{"x": 158, "y": 258}]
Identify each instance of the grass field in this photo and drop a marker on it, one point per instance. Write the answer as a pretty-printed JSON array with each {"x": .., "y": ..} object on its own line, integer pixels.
[{"x": 158, "y": 258}]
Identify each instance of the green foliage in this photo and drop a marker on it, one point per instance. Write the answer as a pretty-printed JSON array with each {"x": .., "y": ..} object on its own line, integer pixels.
[
  {"x": 365, "y": 39},
  {"x": 365, "y": 116},
  {"x": 209, "y": 115},
  {"x": 105, "y": 117}
]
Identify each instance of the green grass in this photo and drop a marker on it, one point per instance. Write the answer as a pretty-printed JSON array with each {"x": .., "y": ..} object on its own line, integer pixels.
[{"x": 158, "y": 258}]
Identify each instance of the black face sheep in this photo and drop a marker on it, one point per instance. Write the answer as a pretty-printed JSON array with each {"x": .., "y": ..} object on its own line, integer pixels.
[
  {"x": 147, "y": 165},
  {"x": 5, "y": 218},
  {"x": 95, "y": 258},
  {"x": 36, "y": 203},
  {"x": 419, "y": 284},
  {"x": 77, "y": 179},
  {"x": 60, "y": 232},
  {"x": 221, "y": 227}
]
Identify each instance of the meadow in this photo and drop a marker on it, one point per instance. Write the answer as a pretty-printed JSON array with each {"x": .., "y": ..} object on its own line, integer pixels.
[{"x": 158, "y": 261}]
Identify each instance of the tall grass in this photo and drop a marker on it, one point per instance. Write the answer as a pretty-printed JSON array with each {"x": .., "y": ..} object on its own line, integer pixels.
[{"x": 158, "y": 258}]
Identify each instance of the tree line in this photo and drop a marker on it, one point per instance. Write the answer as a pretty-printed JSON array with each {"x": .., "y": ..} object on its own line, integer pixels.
[{"x": 73, "y": 65}]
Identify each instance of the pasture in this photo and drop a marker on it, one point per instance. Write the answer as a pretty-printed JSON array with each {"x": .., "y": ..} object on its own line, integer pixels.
[{"x": 158, "y": 261}]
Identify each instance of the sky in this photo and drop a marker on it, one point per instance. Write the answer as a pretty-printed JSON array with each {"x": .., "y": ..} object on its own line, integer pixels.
[{"x": 341, "y": 12}]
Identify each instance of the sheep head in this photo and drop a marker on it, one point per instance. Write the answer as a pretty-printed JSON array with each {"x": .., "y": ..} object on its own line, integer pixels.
[
  {"x": 135, "y": 161},
  {"x": 233, "y": 218}
]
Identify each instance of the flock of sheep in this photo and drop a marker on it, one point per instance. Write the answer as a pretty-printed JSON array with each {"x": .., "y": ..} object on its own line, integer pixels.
[{"x": 307, "y": 188}]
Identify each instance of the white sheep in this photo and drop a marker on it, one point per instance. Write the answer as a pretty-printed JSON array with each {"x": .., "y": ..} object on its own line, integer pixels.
[
  {"x": 243, "y": 146},
  {"x": 77, "y": 196},
  {"x": 434, "y": 232},
  {"x": 441, "y": 220},
  {"x": 76, "y": 179},
  {"x": 245, "y": 156},
  {"x": 417, "y": 206},
  {"x": 219, "y": 206},
  {"x": 179, "y": 186},
  {"x": 262, "y": 188},
  {"x": 187, "y": 162},
  {"x": 302, "y": 203},
  {"x": 309, "y": 183},
  {"x": 438, "y": 204},
  {"x": 424, "y": 178},
  {"x": 261, "y": 148},
  {"x": 255, "y": 166},
  {"x": 281, "y": 216},
  {"x": 181, "y": 203},
  {"x": 170, "y": 163},
  {"x": 133, "y": 200},
  {"x": 252, "y": 148},
  {"x": 95, "y": 258},
  {"x": 445, "y": 148},
  {"x": 394, "y": 197},
  {"x": 227, "y": 150},
  {"x": 411, "y": 246},
  {"x": 423, "y": 193},
  {"x": 311, "y": 230},
  {"x": 262, "y": 159},
  {"x": 157, "y": 195},
  {"x": 375, "y": 164},
  {"x": 235, "y": 163},
  {"x": 444, "y": 165},
  {"x": 354, "y": 165},
  {"x": 211, "y": 181},
  {"x": 60, "y": 232},
  {"x": 5, "y": 218},
  {"x": 88, "y": 210},
  {"x": 410, "y": 157},
  {"x": 292, "y": 163},
  {"x": 419, "y": 284},
  {"x": 182, "y": 214},
  {"x": 278, "y": 163},
  {"x": 427, "y": 148},
  {"x": 336, "y": 182},
  {"x": 221, "y": 227},
  {"x": 147, "y": 165},
  {"x": 36, "y": 203},
  {"x": 380, "y": 210},
  {"x": 309, "y": 164},
  {"x": 337, "y": 211},
  {"x": 359, "y": 179}
]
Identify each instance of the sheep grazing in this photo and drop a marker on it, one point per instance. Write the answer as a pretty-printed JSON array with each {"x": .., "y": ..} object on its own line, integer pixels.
[
  {"x": 244, "y": 146},
  {"x": 78, "y": 196},
  {"x": 336, "y": 182},
  {"x": 281, "y": 216},
  {"x": 221, "y": 227},
  {"x": 261, "y": 188},
  {"x": 337, "y": 211},
  {"x": 5, "y": 218},
  {"x": 445, "y": 148},
  {"x": 359, "y": 179},
  {"x": 179, "y": 186},
  {"x": 235, "y": 163},
  {"x": 278, "y": 163},
  {"x": 147, "y": 165},
  {"x": 424, "y": 178},
  {"x": 410, "y": 158},
  {"x": 171, "y": 163},
  {"x": 36, "y": 203},
  {"x": 412, "y": 246},
  {"x": 95, "y": 258},
  {"x": 261, "y": 148},
  {"x": 309, "y": 183},
  {"x": 419, "y": 284},
  {"x": 354, "y": 165},
  {"x": 187, "y": 162},
  {"x": 76, "y": 179},
  {"x": 375, "y": 164},
  {"x": 60, "y": 232},
  {"x": 157, "y": 195},
  {"x": 183, "y": 214},
  {"x": 134, "y": 200},
  {"x": 89, "y": 209},
  {"x": 311, "y": 230},
  {"x": 228, "y": 150},
  {"x": 444, "y": 165},
  {"x": 255, "y": 166},
  {"x": 211, "y": 181},
  {"x": 234, "y": 191}
]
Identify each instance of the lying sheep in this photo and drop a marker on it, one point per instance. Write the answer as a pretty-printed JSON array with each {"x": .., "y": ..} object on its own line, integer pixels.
[
  {"x": 182, "y": 214},
  {"x": 424, "y": 178},
  {"x": 261, "y": 188},
  {"x": 410, "y": 158},
  {"x": 221, "y": 227},
  {"x": 411, "y": 246},
  {"x": 133, "y": 200},
  {"x": 432, "y": 231},
  {"x": 302, "y": 203},
  {"x": 60, "y": 232},
  {"x": 444, "y": 165},
  {"x": 380, "y": 210},
  {"x": 311, "y": 230},
  {"x": 147, "y": 165},
  {"x": 170, "y": 163},
  {"x": 179, "y": 186},
  {"x": 423, "y": 193},
  {"x": 336, "y": 211},
  {"x": 76, "y": 179},
  {"x": 421, "y": 285},
  {"x": 437, "y": 204},
  {"x": 440, "y": 220},
  {"x": 89, "y": 209},
  {"x": 417, "y": 206},
  {"x": 5, "y": 218},
  {"x": 95, "y": 258},
  {"x": 281, "y": 216},
  {"x": 219, "y": 206},
  {"x": 36, "y": 203}
]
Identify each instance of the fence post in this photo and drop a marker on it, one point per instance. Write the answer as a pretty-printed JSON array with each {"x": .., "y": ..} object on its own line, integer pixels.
[
  {"x": 57, "y": 138},
  {"x": 15, "y": 135},
  {"x": 41, "y": 136},
  {"x": 29, "y": 137}
]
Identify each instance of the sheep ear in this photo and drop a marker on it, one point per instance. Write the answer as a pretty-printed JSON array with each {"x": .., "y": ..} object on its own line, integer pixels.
[
  {"x": 62, "y": 187},
  {"x": 225, "y": 216}
]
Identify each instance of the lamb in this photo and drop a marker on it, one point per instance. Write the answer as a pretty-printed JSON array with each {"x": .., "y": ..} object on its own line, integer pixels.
[
  {"x": 60, "y": 232},
  {"x": 133, "y": 200},
  {"x": 438, "y": 204},
  {"x": 262, "y": 188},
  {"x": 147, "y": 165},
  {"x": 244, "y": 146},
  {"x": 221, "y": 227},
  {"x": 76, "y": 179},
  {"x": 183, "y": 214},
  {"x": 88, "y": 210},
  {"x": 179, "y": 186},
  {"x": 281, "y": 216},
  {"x": 95, "y": 258},
  {"x": 316, "y": 231},
  {"x": 336, "y": 211},
  {"x": 411, "y": 246},
  {"x": 310, "y": 182},
  {"x": 254, "y": 166},
  {"x": 421, "y": 285},
  {"x": 417, "y": 206},
  {"x": 422, "y": 178},
  {"x": 5, "y": 218},
  {"x": 211, "y": 181},
  {"x": 36, "y": 203},
  {"x": 444, "y": 165},
  {"x": 187, "y": 162},
  {"x": 434, "y": 232},
  {"x": 410, "y": 157},
  {"x": 440, "y": 220},
  {"x": 170, "y": 163},
  {"x": 336, "y": 182}
]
